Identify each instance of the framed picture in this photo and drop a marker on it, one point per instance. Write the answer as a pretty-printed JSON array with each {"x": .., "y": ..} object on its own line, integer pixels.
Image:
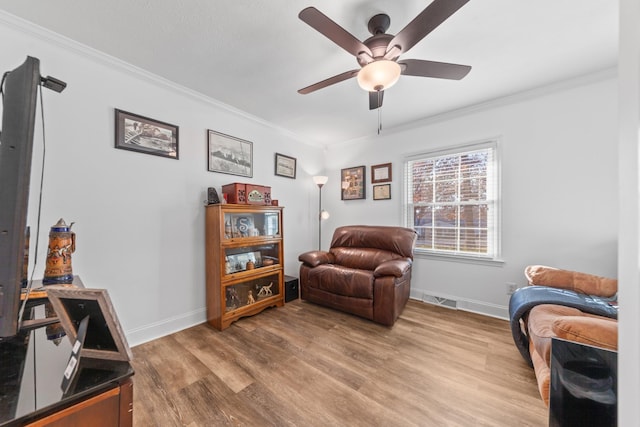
[
  {"x": 285, "y": 166},
  {"x": 353, "y": 183},
  {"x": 381, "y": 173},
  {"x": 238, "y": 262},
  {"x": 145, "y": 135},
  {"x": 104, "y": 337},
  {"x": 382, "y": 192},
  {"x": 227, "y": 154}
]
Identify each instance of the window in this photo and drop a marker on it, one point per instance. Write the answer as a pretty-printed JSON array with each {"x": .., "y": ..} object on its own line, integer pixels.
[{"x": 452, "y": 200}]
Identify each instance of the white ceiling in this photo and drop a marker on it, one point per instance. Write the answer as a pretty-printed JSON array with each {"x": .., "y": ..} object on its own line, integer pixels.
[{"x": 255, "y": 55}]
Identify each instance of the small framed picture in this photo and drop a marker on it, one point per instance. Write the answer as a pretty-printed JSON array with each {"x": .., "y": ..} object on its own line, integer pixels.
[
  {"x": 104, "y": 337},
  {"x": 238, "y": 262},
  {"x": 230, "y": 155},
  {"x": 145, "y": 135},
  {"x": 381, "y": 173},
  {"x": 353, "y": 183},
  {"x": 382, "y": 192},
  {"x": 285, "y": 166}
]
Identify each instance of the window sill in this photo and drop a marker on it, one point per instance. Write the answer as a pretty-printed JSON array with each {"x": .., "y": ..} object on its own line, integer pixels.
[{"x": 468, "y": 259}]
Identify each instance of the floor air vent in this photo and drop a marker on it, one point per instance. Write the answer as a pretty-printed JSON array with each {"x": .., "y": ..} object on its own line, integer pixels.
[{"x": 443, "y": 302}]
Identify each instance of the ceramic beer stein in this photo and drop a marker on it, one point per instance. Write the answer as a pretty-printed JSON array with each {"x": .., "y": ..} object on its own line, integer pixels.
[{"x": 62, "y": 243}]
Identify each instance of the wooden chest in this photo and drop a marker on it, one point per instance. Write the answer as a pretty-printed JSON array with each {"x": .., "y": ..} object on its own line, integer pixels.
[{"x": 247, "y": 194}]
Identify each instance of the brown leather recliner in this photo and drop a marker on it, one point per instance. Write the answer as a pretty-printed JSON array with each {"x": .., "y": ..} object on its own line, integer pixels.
[{"x": 366, "y": 272}]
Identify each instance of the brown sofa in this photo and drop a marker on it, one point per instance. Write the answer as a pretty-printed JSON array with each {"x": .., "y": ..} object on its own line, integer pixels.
[
  {"x": 366, "y": 272},
  {"x": 545, "y": 321}
]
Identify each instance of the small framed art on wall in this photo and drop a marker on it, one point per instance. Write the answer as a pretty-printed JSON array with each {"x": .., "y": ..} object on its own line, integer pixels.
[{"x": 353, "y": 183}]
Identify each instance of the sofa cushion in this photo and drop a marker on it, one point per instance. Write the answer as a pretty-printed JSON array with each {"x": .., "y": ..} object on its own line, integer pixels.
[
  {"x": 549, "y": 320},
  {"x": 543, "y": 375},
  {"x": 540, "y": 326},
  {"x": 596, "y": 331},
  {"x": 573, "y": 280},
  {"x": 340, "y": 280}
]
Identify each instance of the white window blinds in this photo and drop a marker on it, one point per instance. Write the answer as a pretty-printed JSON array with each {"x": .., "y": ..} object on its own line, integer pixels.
[{"x": 452, "y": 200}]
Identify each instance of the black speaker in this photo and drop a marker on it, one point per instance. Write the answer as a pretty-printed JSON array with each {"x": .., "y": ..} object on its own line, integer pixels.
[
  {"x": 291, "y": 288},
  {"x": 212, "y": 196}
]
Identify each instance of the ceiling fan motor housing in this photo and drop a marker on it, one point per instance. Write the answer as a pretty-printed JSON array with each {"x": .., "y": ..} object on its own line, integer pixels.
[{"x": 378, "y": 46}]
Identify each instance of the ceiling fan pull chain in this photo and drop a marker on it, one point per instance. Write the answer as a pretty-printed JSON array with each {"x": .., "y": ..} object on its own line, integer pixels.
[{"x": 379, "y": 113}]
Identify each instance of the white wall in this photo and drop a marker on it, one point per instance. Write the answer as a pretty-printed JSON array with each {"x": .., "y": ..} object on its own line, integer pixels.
[
  {"x": 139, "y": 219},
  {"x": 629, "y": 189},
  {"x": 559, "y": 180}
]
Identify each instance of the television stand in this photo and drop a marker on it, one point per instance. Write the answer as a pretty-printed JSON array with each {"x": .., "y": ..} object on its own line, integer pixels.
[{"x": 32, "y": 368}]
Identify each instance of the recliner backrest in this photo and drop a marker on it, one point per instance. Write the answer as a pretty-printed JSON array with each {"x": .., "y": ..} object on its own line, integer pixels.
[{"x": 367, "y": 246}]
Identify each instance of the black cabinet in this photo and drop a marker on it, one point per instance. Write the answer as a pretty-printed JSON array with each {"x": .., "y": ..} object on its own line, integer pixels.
[{"x": 291, "y": 288}]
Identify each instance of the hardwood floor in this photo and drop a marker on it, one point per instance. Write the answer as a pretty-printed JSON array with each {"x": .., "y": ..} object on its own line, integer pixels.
[{"x": 306, "y": 365}]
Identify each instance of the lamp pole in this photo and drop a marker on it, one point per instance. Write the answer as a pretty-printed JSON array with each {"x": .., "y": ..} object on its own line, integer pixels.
[
  {"x": 320, "y": 181},
  {"x": 320, "y": 216}
]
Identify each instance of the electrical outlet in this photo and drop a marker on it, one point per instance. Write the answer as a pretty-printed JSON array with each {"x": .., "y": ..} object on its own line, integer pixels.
[{"x": 511, "y": 288}]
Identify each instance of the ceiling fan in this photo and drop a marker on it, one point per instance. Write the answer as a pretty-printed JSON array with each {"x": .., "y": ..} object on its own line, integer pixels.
[{"x": 378, "y": 55}]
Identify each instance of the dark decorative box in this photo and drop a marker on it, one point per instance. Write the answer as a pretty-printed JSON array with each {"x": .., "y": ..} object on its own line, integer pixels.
[{"x": 291, "y": 288}]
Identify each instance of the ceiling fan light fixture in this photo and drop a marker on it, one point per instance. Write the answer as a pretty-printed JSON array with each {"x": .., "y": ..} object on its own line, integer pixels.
[{"x": 379, "y": 75}]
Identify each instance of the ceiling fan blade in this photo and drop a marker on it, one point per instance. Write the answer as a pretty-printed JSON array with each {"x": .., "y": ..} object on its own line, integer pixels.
[
  {"x": 333, "y": 31},
  {"x": 328, "y": 82},
  {"x": 439, "y": 70},
  {"x": 426, "y": 21},
  {"x": 375, "y": 99}
]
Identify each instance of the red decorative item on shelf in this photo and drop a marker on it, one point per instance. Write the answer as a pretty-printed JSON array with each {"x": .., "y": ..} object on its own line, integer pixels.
[
  {"x": 247, "y": 194},
  {"x": 235, "y": 193}
]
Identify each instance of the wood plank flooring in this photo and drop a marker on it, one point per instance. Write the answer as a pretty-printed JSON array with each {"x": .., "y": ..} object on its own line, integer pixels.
[{"x": 306, "y": 365}]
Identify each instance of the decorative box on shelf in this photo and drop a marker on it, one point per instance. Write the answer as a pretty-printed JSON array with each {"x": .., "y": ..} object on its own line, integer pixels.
[
  {"x": 250, "y": 194},
  {"x": 244, "y": 267}
]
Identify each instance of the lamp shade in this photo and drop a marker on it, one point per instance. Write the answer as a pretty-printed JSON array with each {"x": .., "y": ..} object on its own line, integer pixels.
[
  {"x": 320, "y": 180},
  {"x": 379, "y": 75}
]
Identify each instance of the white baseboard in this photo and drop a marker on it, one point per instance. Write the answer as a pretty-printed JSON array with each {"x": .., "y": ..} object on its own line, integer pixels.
[
  {"x": 165, "y": 327},
  {"x": 186, "y": 320},
  {"x": 480, "y": 307}
]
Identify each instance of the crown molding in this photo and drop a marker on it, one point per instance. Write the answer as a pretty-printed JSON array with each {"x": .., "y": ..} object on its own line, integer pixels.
[
  {"x": 536, "y": 92},
  {"x": 41, "y": 33}
]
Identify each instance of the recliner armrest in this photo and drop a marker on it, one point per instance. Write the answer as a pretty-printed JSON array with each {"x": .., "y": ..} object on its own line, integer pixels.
[
  {"x": 591, "y": 330},
  {"x": 394, "y": 267},
  {"x": 315, "y": 258}
]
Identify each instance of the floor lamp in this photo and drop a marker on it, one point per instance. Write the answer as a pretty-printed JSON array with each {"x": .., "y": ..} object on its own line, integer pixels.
[{"x": 322, "y": 214}]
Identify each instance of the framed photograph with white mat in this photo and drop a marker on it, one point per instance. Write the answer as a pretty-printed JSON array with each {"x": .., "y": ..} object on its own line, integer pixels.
[
  {"x": 382, "y": 192},
  {"x": 381, "y": 173},
  {"x": 228, "y": 154}
]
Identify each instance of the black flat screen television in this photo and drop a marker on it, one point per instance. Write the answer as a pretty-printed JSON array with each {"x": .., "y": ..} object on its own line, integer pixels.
[{"x": 19, "y": 100}]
